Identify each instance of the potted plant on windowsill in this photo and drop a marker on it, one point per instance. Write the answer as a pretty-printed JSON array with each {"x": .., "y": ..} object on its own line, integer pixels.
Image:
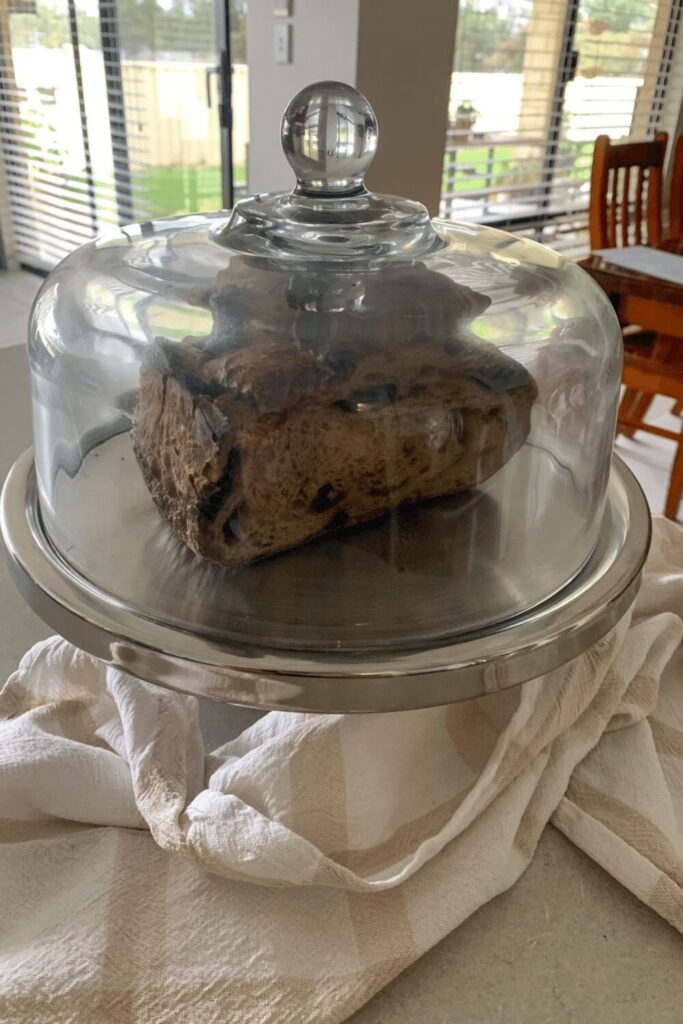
[{"x": 466, "y": 115}]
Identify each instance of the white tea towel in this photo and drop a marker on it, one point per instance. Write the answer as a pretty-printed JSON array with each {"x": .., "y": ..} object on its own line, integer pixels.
[{"x": 290, "y": 874}]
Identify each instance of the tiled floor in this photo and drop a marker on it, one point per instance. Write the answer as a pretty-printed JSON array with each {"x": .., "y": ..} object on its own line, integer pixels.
[
  {"x": 17, "y": 292},
  {"x": 647, "y": 455}
]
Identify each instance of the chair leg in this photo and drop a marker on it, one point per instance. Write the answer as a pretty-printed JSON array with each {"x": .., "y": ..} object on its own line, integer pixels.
[
  {"x": 673, "y": 498},
  {"x": 625, "y": 412},
  {"x": 643, "y": 406},
  {"x": 634, "y": 406}
]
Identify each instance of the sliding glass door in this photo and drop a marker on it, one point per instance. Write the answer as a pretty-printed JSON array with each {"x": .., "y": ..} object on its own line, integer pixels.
[{"x": 112, "y": 111}]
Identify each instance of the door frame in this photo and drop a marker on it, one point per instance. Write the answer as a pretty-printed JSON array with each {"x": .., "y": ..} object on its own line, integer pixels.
[
  {"x": 224, "y": 67},
  {"x": 118, "y": 131}
]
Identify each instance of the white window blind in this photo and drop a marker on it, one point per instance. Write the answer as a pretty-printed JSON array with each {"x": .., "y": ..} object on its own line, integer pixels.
[
  {"x": 54, "y": 137},
  {"x": 534, "y": 83},
  {"x": 109, "y": 113}
]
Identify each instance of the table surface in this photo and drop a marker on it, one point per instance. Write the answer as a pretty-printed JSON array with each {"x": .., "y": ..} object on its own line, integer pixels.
[
  {"x": 618, "y": 280},
  {"x": 567, "y": 944}
]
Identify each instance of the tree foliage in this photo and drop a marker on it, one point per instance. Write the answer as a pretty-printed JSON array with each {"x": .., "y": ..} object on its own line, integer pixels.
[
  {"x": 145, "y": 28},
  {"x": 488, "y": 40},
  {"x": 493, "y": 38},
  {"x": 614, "y": 36},
  {"x": 622, "y": 15}
]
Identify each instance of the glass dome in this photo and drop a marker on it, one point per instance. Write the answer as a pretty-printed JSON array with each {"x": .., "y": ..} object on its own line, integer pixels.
[{"x": 323, "y": 422}]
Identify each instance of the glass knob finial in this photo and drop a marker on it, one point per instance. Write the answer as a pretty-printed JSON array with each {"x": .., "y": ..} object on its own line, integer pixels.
[{"x": 329, "y": 136}]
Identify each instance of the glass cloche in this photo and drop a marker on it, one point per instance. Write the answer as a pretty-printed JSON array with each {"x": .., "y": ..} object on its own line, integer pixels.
[{"x": 323, "y": 426}]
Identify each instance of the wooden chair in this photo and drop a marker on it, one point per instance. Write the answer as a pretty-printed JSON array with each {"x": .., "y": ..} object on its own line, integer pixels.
[
  {"x": 676, "y": 195},
  {"x": 619, "y": 197},
  {"x": 625, "y": 209},
  {"x": 615, "y": 217},
  {"x": 675, "y": 239}
]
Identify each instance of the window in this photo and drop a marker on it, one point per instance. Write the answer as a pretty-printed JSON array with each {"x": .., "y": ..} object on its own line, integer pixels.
[
  {"x": 111, "y": 112},
  {"x": 534, "y": 83}
]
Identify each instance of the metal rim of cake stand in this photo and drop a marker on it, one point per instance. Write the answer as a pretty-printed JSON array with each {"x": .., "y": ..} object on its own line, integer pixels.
[{"x": 538, "y": 642}]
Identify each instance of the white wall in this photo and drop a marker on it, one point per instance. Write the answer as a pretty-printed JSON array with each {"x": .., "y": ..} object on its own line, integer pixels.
[
  {"x": 397, "y": 52},
  {"x": 324, "y": 34}
]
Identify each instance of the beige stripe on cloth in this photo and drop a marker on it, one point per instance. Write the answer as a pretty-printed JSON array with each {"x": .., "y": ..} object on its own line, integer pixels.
[{"x": 289, "y": 875}]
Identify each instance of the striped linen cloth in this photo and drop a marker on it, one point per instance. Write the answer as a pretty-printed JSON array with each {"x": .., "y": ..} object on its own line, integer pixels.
[{"x": 290, "y": 874}]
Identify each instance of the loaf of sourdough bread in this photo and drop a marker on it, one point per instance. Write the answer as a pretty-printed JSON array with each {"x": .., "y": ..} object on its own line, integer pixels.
[{"x": 344, "y": 401}]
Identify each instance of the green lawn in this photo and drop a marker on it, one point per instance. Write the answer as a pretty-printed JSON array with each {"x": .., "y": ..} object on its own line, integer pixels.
[
  {"x": 163, "y": 191},
  {"x": 166, "y": 190},
  {"x": 471, "y": 168}
]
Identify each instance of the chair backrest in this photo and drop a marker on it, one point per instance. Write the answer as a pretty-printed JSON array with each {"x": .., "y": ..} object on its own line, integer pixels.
[
  {"x": 626, "y": 177},
  {"x": 676, "y": 194}
]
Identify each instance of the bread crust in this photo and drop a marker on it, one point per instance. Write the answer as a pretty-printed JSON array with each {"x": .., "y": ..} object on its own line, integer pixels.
[{"x": 251, "y": 449}]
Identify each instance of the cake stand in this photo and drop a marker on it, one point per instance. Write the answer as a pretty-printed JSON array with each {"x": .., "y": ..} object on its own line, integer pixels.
[{"x": 155, "y": 611}]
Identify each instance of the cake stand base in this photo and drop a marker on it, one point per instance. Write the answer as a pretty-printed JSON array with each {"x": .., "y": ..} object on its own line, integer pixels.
[{"x": 479, "y": 662}]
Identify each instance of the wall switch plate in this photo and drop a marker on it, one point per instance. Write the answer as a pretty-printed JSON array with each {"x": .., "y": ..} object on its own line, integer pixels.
[
  {"x": 282, "y": 43},
  {"x": 283, "y": 8}
]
